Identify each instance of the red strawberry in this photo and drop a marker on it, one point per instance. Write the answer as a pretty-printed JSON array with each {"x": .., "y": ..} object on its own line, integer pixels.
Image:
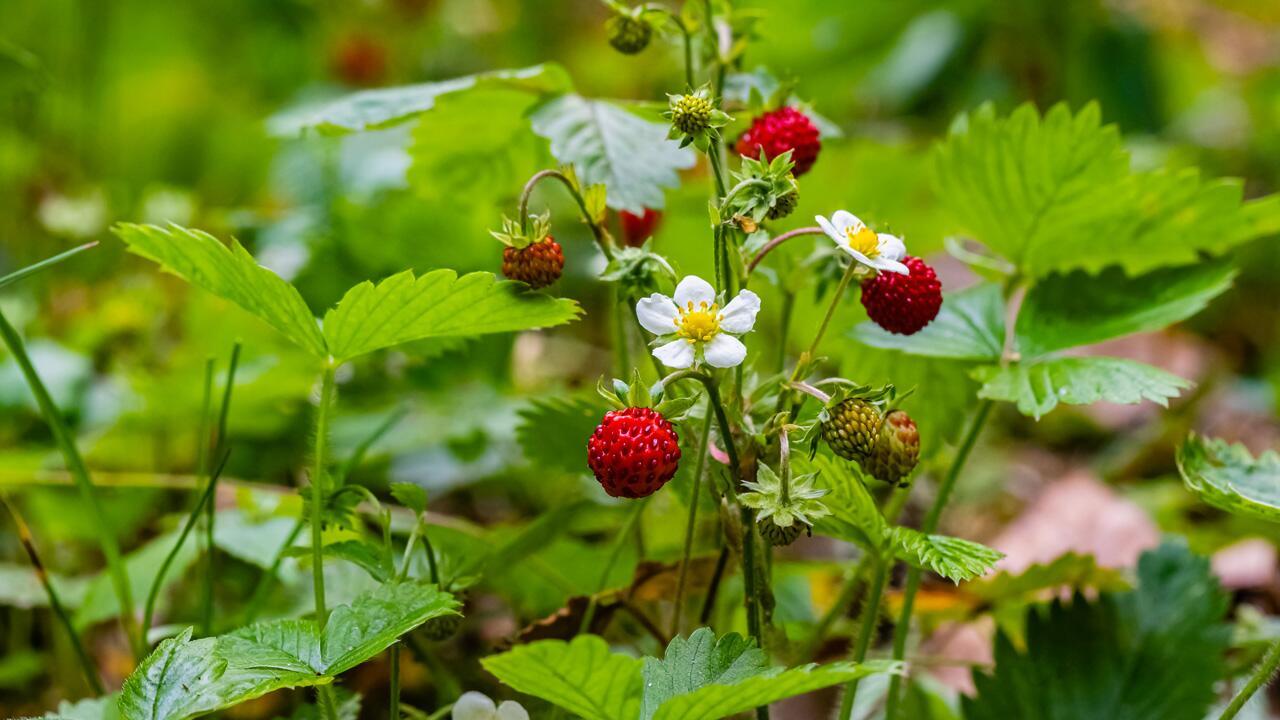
[
  {"x": 539, "y": 264},
  {"x": 359, "y": 60},
  {"x": 633, "y": 452},
  {"x": 903, "y": 304},
  {"x": 779, "y": 131},
  {"x": 638, "y": 228}
]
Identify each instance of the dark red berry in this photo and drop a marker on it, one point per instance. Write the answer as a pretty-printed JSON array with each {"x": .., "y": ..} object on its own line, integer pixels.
[
  {"x": 359, "y": 60},
  {"x": 539, "y": 264},
  {"x": 903, "y": 304},
  {"x": 633, "y": 452},
  {"x": 779, "y": 131},
  {"x": 638, "y": 228}
]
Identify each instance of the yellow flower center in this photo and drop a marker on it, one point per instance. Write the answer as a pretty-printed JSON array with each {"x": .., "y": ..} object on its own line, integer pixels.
[
  {"x": 698, "y": 324},
  {"x": 864, "y": 241}
]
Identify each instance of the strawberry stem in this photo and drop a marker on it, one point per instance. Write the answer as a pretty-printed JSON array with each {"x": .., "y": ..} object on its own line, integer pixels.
[{"x": 601, "y": 235}]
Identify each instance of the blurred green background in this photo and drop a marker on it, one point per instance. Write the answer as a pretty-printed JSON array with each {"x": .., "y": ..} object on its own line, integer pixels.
[{"x": 144, "y": 111}]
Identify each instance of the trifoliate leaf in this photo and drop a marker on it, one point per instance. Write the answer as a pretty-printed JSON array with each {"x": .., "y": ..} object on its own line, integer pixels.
[
  {"x": 607, "y": 144},
  {"x": 952, "y": 558},
  {"x": 369, "y": 109},
  {"x": 1067, "y": 310},
  {"x": 403, "y": 308},
  {"x": 230, "y": 273},
  {"x": 1155, "y": 652},
  {"x": 581, "y": 676},
  {"x": 969, "y": 326},
  {"x": 1227, "y": 477},
  {"x": 1038, "y": 386}
]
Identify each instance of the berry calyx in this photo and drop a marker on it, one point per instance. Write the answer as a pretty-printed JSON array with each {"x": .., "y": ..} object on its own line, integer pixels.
[
  {"x": 897, "y": 449},
  {"x": 903, "y": 304},
  {"x": 779, "y": 535},
  {"x": 779, "y": 131},
  {"x": 538, "y": 264},
  {"x": 851, "y": 428},
  {"x": 783, "y": 206},
  {"x": 633, "y": 452},
  {"x": 638, "y": 228},
  {"x": 691, "y": 114},
  {"x": 628, "y": 34}
]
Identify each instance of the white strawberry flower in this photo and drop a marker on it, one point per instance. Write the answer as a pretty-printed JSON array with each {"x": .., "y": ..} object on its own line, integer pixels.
[
  {"x": 878, "y": 251},
  {"x": 692, "y": 327},
  {"x": 478, "y": 706}
]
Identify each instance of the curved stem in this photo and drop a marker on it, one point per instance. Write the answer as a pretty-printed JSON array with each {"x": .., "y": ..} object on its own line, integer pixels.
[
  {"x": 930, "y": 524},
  {"x": 211, "y": 507},
  {"x": 691, "y": 525},
  {"x": 808, "y": 389},
  {"x": 321, "y": 441},
  {"x": 870, "y": 618},
  {"x": 688, "y": 40},
  {"x": 1262, "y": 674},
  {"x": 831, "y": 309},
  {"x": 775, "y": 242},
  {"x": 601, "y": 235}
]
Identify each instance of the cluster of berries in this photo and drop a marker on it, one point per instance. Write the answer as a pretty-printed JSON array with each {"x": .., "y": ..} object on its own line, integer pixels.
[{"x": 886, "y": 445}]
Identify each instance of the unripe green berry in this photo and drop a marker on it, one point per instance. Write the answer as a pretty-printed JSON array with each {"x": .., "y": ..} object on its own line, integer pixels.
[
  {"x": 691, "y": 114},
  {"x": 851, "y": 428},
  {"x": 784, "y": 205},
  {"x": 628, "y": 35},
  {"x": 777, "y": 535},
  {"x": 441, "y": 627}
]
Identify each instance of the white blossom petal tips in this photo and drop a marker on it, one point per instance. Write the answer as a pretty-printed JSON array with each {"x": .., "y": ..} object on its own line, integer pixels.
[
  {"x": 879, "y": 252},
  {"x": 478, "y": 706},
  {"x": 693, "y": 328}
]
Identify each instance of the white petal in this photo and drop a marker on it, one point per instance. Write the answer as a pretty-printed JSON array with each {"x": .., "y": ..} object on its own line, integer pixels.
[
  {"x": 857, "y": 256},
  {"x": 891, "y": 246},
  {"x": 889, "y": 265},
  {"x": 474, "y": 706},
  {"x": 693, "y": 289},
  {"x": 843, "y": 220},
  {"x": 739, "y": 316},
  {"x": 725, "y": 351},
  {"x": 512, "y": 710},
  {"x": 829, "y": 229},
  {"x": 657, "y": 314},
  {"x": 676, "y": 354}
]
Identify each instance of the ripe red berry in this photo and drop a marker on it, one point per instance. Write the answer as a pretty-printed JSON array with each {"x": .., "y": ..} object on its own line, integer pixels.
[
  {"x": 779, "y": 131},
  {"x": 539, "y": 264},
  {"x": 633, "y": 452},
  {"x": 903, "y": 304},
  {"x": 359, "y": 60},
  {"x": 638, "y": 228}
]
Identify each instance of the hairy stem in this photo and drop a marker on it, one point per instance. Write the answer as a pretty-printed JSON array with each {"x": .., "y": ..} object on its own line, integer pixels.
[
  {"x": 831, "y": 309},
  {"x": 903, "y": 627},
  {"x": 775, "y": 242},
  {"x": 1262, "y": 675},
  {"x": 80, "y": 473},
  {"x": 321, "y": 442},
  {"x": 598, "y": 231},
  {"x": 691, "y": 525}
]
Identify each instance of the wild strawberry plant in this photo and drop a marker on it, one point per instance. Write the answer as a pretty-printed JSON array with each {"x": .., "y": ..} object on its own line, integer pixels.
[{"x": 1069, "y": 244}]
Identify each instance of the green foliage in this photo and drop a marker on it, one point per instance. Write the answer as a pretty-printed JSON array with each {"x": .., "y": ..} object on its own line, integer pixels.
[
  {"x": 1153, "y": 652},
  {"x": 1069, "y": 570},
  {"x": 1227, "y": 477},
  {"x": 1037, "y": 387},
  {"x": 970, "y": 326},
  {"x": 370, "y": 109},
  {"x": 608, "y": 144},
  {"x": 701, "y": 659},
  {"x": 582, "y": 676},
  {"x": 1067, "y": 310},
  {"x": 100, "y": 601},
  {"x": 714, "y": 701},
  {"x": 950, "y": 557},
  {"x": 553, "y": 431},
  {"x": 854, "y": 516},
  {"x": 103, "y": 708},
  {"x": 1057, "y": 193}
]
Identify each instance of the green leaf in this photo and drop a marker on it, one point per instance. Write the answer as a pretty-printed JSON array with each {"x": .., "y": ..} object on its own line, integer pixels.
[
  {"x": 1067, "y": 310},
  {"x": 700, "y": 660},
  {"x": 403, "y": 308},
  {"x": 854, "y": 516},
  {"x": 411, "y": 495},
  {"x": 230, "y": 273},
  {"x": 1227, "y": 477},
  {"x": 1037, "y": 387},
  {"x": 581, "y": 676},
  {"x": 1155, "y": 652},
  {"x": 711, "y": 702},
  {"x": 607, "y": 144},
  {"x": 370, "y": 109},
  {"x": 1057, "y": 193},
  {"x": 952, "y": 558},
  {"x": 371, "y": 623},
  {"x": 1069, "y": 570},
  {"x": 970, "y": 326},
  {"x": 365, "y": 555},
  {"x": 102, "y": 708},
  {"x": 573, "y": 420}
]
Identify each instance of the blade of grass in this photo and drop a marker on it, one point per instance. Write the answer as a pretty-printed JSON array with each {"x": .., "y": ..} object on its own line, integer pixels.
[
  {"x": 80, "y": 472},
  {"x": 202, "y": 448},
  {"x": 14, "y": 277},
  {"x": 211, "y": 508},
  {"x": 55, "y": 602},
  {"x": 158, "y": 581}
]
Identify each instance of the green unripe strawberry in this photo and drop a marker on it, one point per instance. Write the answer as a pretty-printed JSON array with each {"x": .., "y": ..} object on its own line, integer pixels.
[
  {"x": 784, "y": 205},
  {"x": 691, "y": 114},
  {"x": 850, "y": 428},
  {"x": 776, "y": 534},
  {"x": 627, "y": 34},
  {"x": 441, "y": 627},
  {"x": 897, "y": 450}
]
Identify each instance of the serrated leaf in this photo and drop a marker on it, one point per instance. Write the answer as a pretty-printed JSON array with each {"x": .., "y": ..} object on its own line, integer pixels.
[
  {"x": 712, "y": 702},
  {"x": 953, "y": 558},
  {"x": 553, "y": 432},
  {"x": 230, "y": 273},
  {"x": 411, "y": 495},
  {"x": 102, "y": 708},
  {"x": 371, "y": 623},
  {"x": 1057, "y": 193},
  {"x": 1037, "y": 387},
  {"x": 608, "y": 144},
  {"x": 1067, "y": 310},
  {"x": 969, "y": 326},
  {"x": 1155, "y": 652},
  {"x": 854, "y": 516},
  {"x": 1069, "y": 570},
  {"x": 582, "y": 676},
  {"x": 403, "y": 308},
  {"x": 1228, "y": 477},
  {"x": 369, "y": 109},
  {"x": 700, "y": 660}
]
